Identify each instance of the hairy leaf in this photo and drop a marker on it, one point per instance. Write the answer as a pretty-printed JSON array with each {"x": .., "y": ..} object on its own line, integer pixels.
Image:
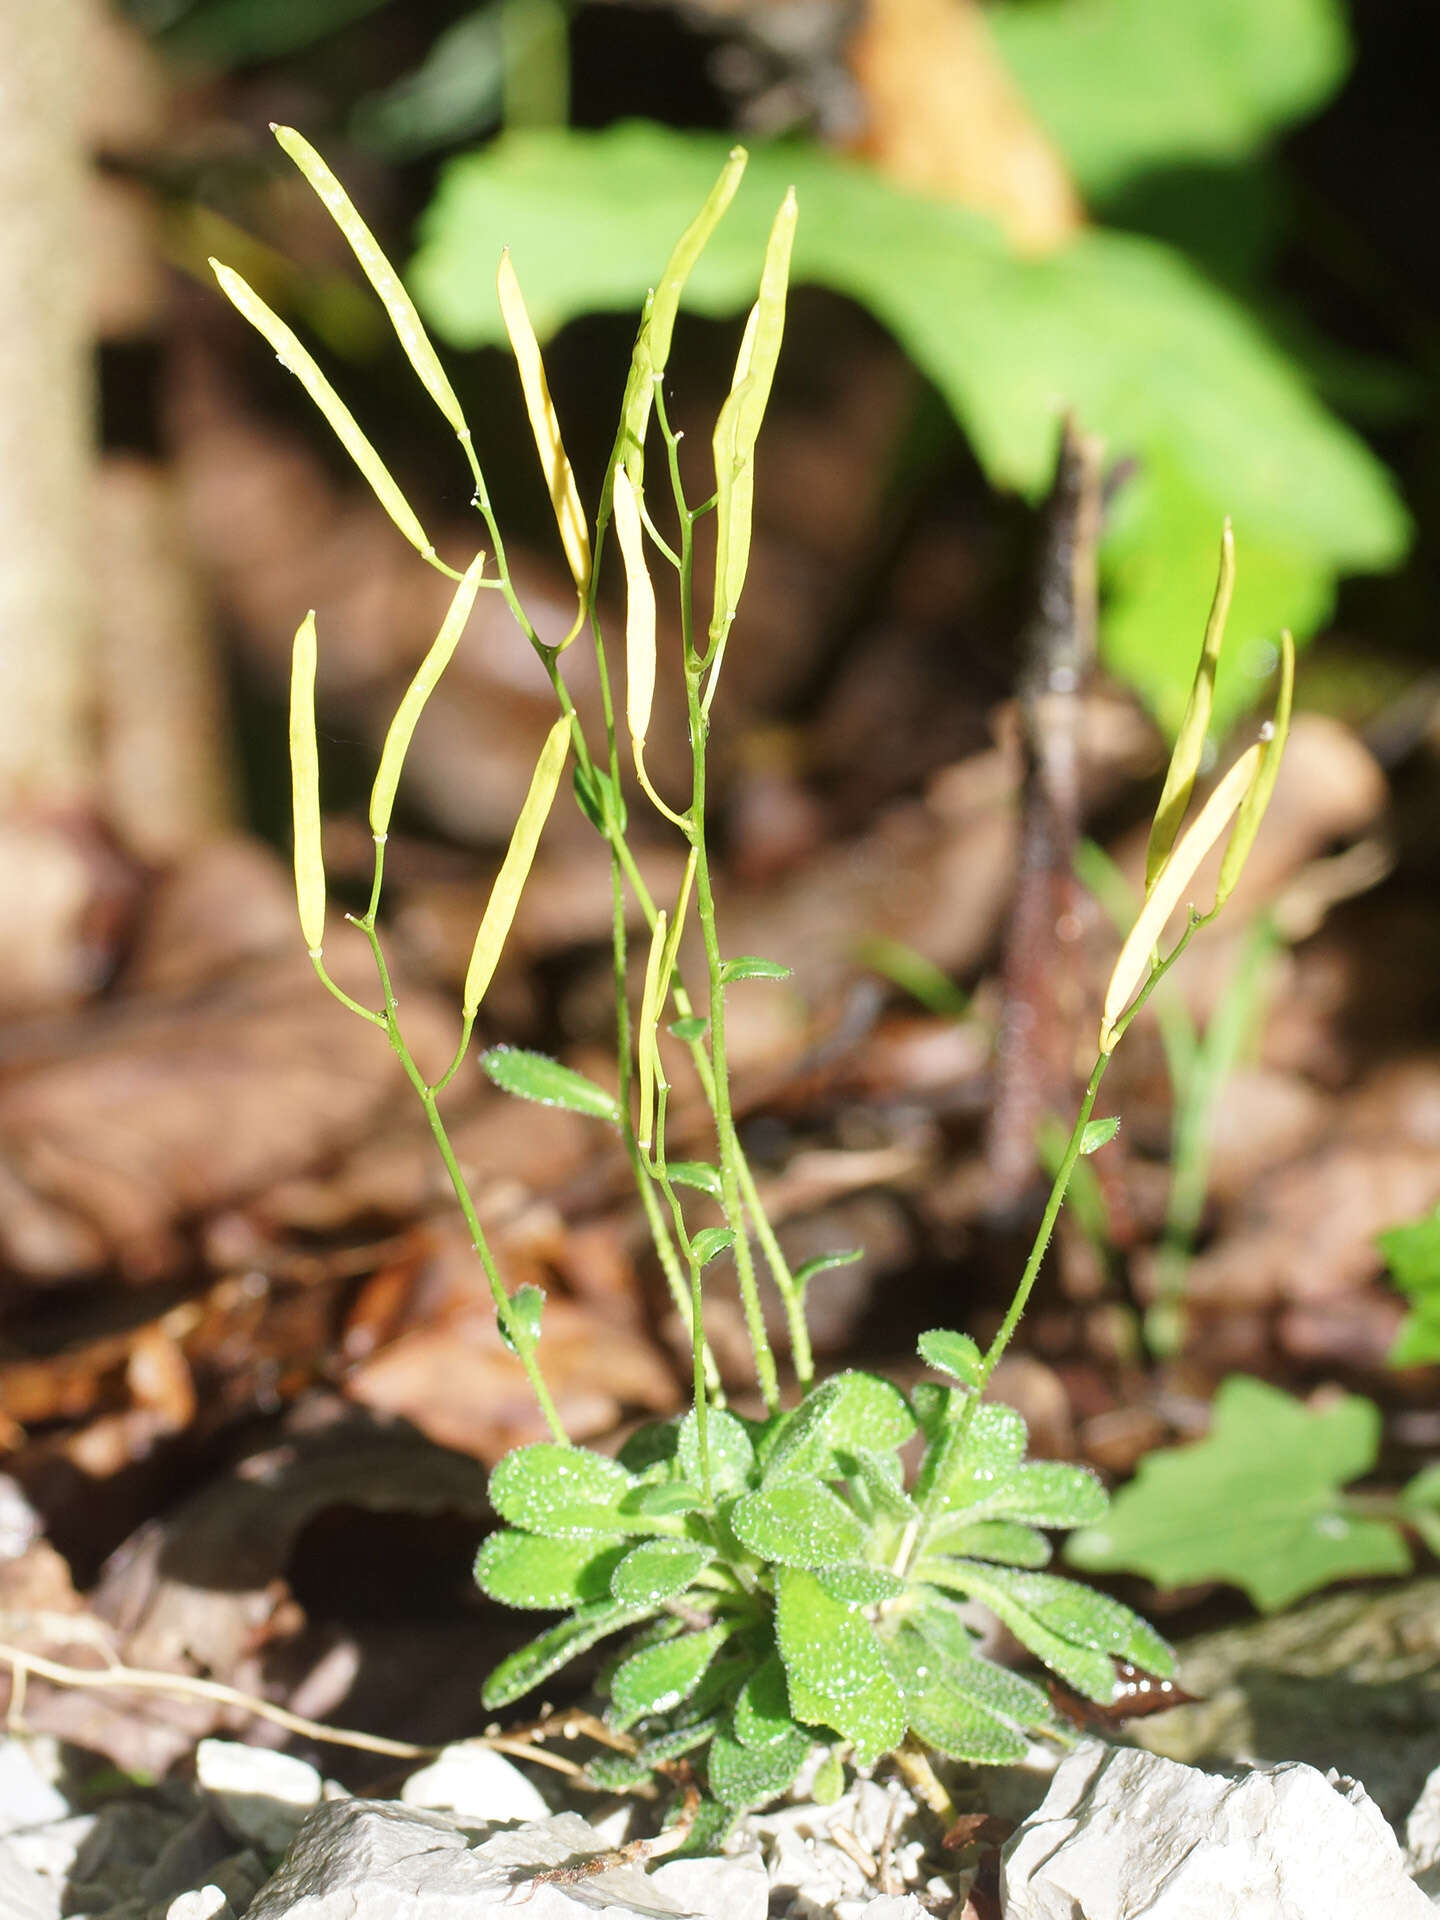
[
  {"x": 697, "y": 1174},
  {"x": 732, "y": 1452},
  {"x": 835, "y": 1673},
  {"x": 1003, "y": 1540},
  {"x": 710, "y": 1243},
  {"x": 952, "y": 1353},
  {"x": 657, "y": 1570},
  {"x": 798, "y": 1523},
  {"x": 741, "y": 1777},
  {"x": 527, "y": 1570},
  {"x": 762, "y": 1707},
  {"x": 970, "y": 1476},
  {"x": 750, "y": 966},
  {"x": 534, "y": 1663},
  {"x": 566, "y": 1492},
  {"x": 1258, "y": 1503},
  {"x": 848, "y": 1412},
  {"x": 658, "y": 1678},
  {"x": 535, "y": 1076}
]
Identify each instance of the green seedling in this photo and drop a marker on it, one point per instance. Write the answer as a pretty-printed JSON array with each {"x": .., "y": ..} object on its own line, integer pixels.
[
  {"x": 774, "y": 1584},
  {"x": 1412, "y": 1253}
]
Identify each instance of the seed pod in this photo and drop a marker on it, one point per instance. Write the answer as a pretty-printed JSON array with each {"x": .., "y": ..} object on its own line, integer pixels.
[
  {"x": 298, "y": 359},
  {"x": 1190, "y": 741},
  {"x": 1252, "y": 808},
  {"x": 545, "y": 428},
  {"x": 647, "y": 1044},
  {"x": 378, "y": 271},
  {"x": 407, "y": 714},
  {"x": 305, "y": 787},
  {"x": 515, "y": 868},
  {"x": 639, "y": 618}
]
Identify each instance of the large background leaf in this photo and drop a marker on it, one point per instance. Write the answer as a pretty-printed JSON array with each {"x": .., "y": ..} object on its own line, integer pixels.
[{"x": 1118, "y": 327}]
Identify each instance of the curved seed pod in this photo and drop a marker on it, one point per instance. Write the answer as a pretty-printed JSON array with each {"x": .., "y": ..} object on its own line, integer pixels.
[
  {"x": 378, "y": 271},
  {"x": 1252, "y": 808},
  {"x": 639, "y": 618},
  {"x": 647, "y": 1044},
  {"x": 545, "y": 427},
  {"x": 339, "y": 417},
  {"x": 305, "y": 787},
  {"x": 407, "y": 714},
  {"x": 1165, "y": 895},
  {"x": 515, "y": 868},
  {"x": 738, "y": 426},
  {"x": 1190, "y": 741},
  {"x": 652, "y": 345}
]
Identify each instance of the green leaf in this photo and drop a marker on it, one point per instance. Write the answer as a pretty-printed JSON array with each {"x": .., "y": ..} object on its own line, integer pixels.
[
  {"x": 829, "y": 1782},
  {"x": 593, "y": 792},
  {"x": 949, "y": 1714},
  {"x": 534, "y": 1663},
  {"x": 663, "y": 1497},
  {"x": 835, "y": 1673},
  {"x": 527, "y": 1303},
  {"x": 657, "y": 1679},
  {"x": 969, "y": 1477},
  {"x": 535, "y": 1076},
  {"x": 798, "y": 1523},
  {"x": 749, "y": 966},
  {"x": 1130, "y": 87},
  {"x": 690, "y": 1027},
  {"x": 846, "y": 1413},
  {"x": 1099, "y": 1133},
  {"x": 1003, "y": 1540},
  {"x": 1051, "y": 1493},
  {"x": 1413, "y": 1255},
  {"x": 1150, "y": 353},
  {"x": 1422, "y": 1494},
  {"x": 742, "y": 1777},
  {"x": 860, "y": 1586},
  {"x": 732, "y": 1452},
  {"x": 236, "y": 33},
  {"x": 652, "y": 1446},
  {"x": 1257, "y": 1503},
  {"x": 623, "y": 1772},
  {"x": 882, "y": 1477},
  {"x": 565, "y": 1492},
  {"x": 657, "y": 1570},
  {"x": 710, "y": 1243},
  {"x": 952, "y": 1353},
  {"x": 697, "y": 1174},
  {"x": 526, "y": 1570},
  {"x": 1073, "y": 1630},
  {"x": 822, "y": 1263},
  {"x": 762, "y": 1707}
]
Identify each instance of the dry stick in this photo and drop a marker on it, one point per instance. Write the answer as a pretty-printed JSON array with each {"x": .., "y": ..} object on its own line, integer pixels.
[
  {"x": 1033, "y": 1066},
  {"x": 145, "y": 1680}
]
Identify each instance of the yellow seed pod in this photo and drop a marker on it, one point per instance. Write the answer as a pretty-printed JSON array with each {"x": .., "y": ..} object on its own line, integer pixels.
[
  {"x": 305, "y": 787},
  {"x": 407, "y": 714},
  {"x": 378, "y": 271},
  {"x": 741, "y": 417},
  {"x": 342, "y": 422},
  {"x": 545, "y": 428},
  {"x": 515, "y": 868},
  {"x": 1252, "y": 809},
  {"x": 1190, "y": 740},
  {"x": 639, "y": 618},
  {"x": 1168, "y": 889},
  {"x": 647, "y": 1044}
]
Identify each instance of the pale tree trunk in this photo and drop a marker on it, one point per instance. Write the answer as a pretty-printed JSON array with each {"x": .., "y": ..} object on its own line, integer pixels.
[{"x": 45, "y": 415}]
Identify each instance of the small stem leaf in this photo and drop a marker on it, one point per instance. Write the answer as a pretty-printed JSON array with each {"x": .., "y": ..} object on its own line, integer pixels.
[
  {"x": 305, "y": 787},
  {"x": 545, "y": 428},
  {"x": 1099, "y": 1133},
  {"x": 1257, "y": 799},
  {"x": 526, "y": 1570},
  {"x": 531, "y": 1665},
  {"x": 690, "y": 1028},
  {"x": 658, "y": 1570},
  {"x": 527, "y": 1303},
  {"x": 535, "y": 1076},
  {"x": 738, "y": 426},
  {"x": 952, "y": 1353},
  {"x": 698, "y": 1174},
  {"x": 1190, "y": 740},
  {"x": 710, "y": 1243},
  {"x": 822, "y": 1263},
  {"x": 652, "y": 348},
  {"x": 504, "y": 898},
  {"x": 659, "y": 1678},
  {"x": 378, "y": 271},
  {"x": 1137, "y": 954},
  {"x": 342, "y": 423},
  {"x": 750, "y": 966},
  {"x": 407, "y": 714}
]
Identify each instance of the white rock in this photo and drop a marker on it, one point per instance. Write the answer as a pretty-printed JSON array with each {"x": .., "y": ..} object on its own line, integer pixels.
[
  {"x": 895, "y": 1906},
  {"x": 51, "y": 1850},
  {"x": 1422, "y": 1837},
  {"x": 1124, "y": 1834},
  {"x": 734, "y": 1888},
  {"x": 28, "y": 1796},
  {"x": 261, "y": 1795},
  {"x": 477, "y": 1784},
  {"x": 205, "y": 1903},
  {"x": 23, "y": 1894}
]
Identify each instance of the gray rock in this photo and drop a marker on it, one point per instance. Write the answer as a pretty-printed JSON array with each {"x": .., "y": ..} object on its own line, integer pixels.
[
  {"x": 261, "y": 1795},
  {"x": 1124, "y": 1834},
  {"x": 187, "y": 1857},
  {"x": 1422, "y": 1838},
  {"x": 477, "y": 1784},
  {"x": 28, "y": 1794},
  {"x": 51, "y": 1851}
]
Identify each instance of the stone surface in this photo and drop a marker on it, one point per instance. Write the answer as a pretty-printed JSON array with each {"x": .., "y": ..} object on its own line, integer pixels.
[
  {"x": 204, "y": 1903},
  {"x": 23, "y": 1894},
  {"x": 262, "y": 1796},
  {"x": 1422, "y": 1838},
  {"x": 478, "y": 1785},
  {"x": 28, "y": 1797},
  {"x": 1124, "y": 1834}
]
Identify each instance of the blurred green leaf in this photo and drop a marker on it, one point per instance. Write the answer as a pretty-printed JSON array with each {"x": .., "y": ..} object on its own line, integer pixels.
[
  {"x": 526, "y": 1570},
  {"x": 1121, "y": 328},
  {"x": 751, "y": 966},
  {"x": 1127, "y": 87},
  {"x": 455, "y": 92},
  {"x": 237, "y": 33},
  {"x": 1258, "y": 1503},
  {"x": 1412, "y": 1254}
]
